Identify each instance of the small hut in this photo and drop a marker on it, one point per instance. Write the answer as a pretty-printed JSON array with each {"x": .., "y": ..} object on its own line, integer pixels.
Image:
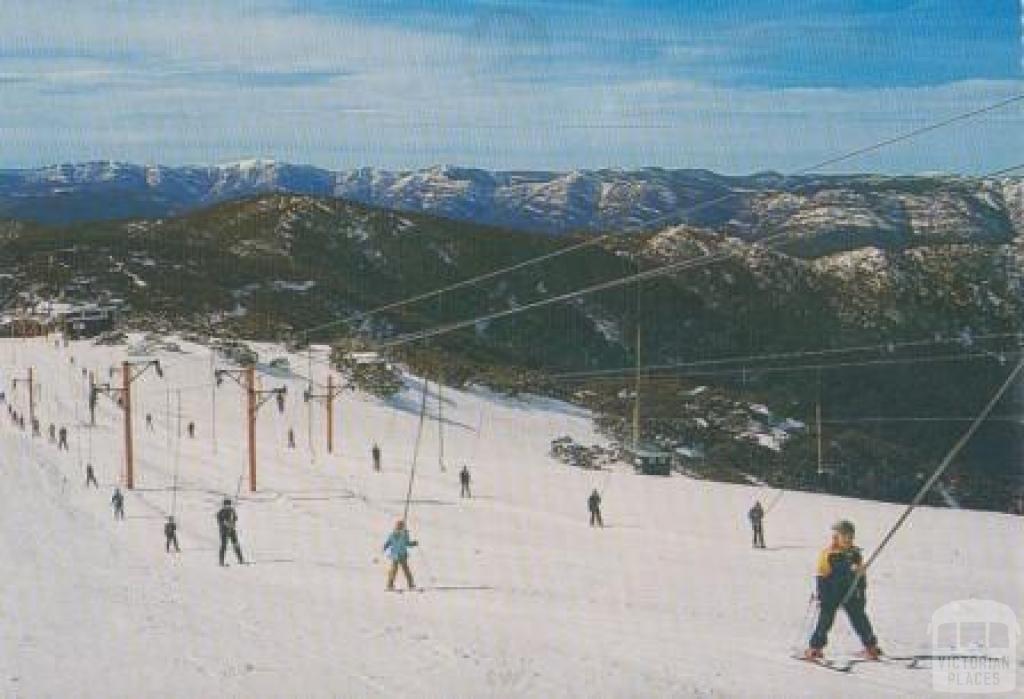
[{"x": 649, "y": 459}]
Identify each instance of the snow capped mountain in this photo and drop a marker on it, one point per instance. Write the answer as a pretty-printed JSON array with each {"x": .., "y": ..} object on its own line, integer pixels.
[
  {"x": 546, "y": 202},
  {"x": 104, "y": 190},
  {"x": 830, "y": 212}
]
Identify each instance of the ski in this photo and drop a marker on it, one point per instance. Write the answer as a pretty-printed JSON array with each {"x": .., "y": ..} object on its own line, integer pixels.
[
  {"x": 910, "y": 661},
  {"x": 833, "y": 664},
  {"x": 915, "y": 660}
]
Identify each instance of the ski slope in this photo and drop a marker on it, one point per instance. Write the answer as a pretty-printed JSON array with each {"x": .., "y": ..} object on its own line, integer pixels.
[{"x": 521, "y": 597}]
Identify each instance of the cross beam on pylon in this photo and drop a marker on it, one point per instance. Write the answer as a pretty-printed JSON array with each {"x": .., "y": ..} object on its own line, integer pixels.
[
  {"x": 255, "y": 399},
  {"x": 327, "y": 397},
  {"x": 130, "y": 371}
]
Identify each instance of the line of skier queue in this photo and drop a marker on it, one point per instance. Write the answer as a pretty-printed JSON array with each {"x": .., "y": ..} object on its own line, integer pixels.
[
  {"x": 837, "y": 569},
  {"x": 396, "y": 546}
]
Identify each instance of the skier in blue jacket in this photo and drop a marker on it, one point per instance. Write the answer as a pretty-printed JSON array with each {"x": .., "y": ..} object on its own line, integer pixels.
[{"x": 397, "y": 547}]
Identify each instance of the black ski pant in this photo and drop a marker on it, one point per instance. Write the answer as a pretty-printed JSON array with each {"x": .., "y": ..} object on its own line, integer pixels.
[
  {"x": 91, "y": 479},
  {"x": 465, "y": 491},
  {"x": 229, "y": 535},
  {"x": 172, "y": 540},
  {"x": 858, "y": 619},
  {"x": 118, "y": 512},
  {"x": 595, "y": 518},
  {"x": 758, "y": 536}
]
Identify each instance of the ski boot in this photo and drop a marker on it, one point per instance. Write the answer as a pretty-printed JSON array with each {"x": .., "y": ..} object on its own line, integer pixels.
[{"x": 872, "y": 653}]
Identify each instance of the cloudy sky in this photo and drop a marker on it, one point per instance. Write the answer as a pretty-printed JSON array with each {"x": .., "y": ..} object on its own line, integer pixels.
[{"x": 735, "y": 86}]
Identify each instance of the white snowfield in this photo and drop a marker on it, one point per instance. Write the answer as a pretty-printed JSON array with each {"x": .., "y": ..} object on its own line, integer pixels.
[{"x": 521, "y": 597}]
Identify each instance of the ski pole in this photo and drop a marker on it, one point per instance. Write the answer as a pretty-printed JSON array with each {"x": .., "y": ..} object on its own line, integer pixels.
[{"x": 804, "y": 625}]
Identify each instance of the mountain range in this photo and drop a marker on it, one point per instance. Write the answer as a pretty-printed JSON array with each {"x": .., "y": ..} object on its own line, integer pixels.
[{"x": 839, "y": 211}]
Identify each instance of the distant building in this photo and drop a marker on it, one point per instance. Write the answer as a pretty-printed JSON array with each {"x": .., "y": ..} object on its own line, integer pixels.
[
  {"x": 89, "y": 320},
  {"x": 76, "y": 319},
  {"x": 22, "y": 326},
  {"x": 366, "y": 358},
  {"x": 684, "y": 457},
  {"x": 649, "y": 459}
]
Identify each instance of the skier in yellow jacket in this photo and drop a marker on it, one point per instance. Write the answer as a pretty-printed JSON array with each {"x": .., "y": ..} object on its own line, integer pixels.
[{"x": 837, "y": 571}]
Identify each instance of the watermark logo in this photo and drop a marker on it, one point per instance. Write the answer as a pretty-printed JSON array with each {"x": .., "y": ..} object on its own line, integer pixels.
[{"x": 974, "y": 647}]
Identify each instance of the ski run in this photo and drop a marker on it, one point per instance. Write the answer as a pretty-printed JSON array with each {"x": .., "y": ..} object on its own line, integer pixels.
[{"x": 518, "y": 595}]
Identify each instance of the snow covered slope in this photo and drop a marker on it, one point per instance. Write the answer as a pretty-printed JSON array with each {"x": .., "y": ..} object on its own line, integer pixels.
[{"x": 521, "y": 597}]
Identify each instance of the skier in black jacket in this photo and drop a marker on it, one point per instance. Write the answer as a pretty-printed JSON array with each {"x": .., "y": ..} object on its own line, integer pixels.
[
  {"x": 464, "y": 481},
  {"x": 594, "y": 505},
  {"x": 756, "y": 516},
  {"x": 171, "y": 535},
  {"x": 227, "y": 520},
  {"x": 117, "y": 500}
]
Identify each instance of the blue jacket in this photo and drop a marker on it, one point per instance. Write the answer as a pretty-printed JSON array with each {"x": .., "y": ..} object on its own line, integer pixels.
[{"x": 398, "y": 544}]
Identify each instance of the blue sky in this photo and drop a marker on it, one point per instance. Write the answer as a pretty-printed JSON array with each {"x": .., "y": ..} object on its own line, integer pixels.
[{"x": 730, "y": 86}]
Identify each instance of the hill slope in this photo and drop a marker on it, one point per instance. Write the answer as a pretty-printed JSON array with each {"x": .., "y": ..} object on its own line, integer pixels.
[
  {"x": 276, "y": 264},
  {"x": 522, "y": 598}
]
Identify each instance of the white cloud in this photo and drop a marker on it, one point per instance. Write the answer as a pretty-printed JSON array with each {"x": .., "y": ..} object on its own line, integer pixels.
[{"x": 200, "y": 81}]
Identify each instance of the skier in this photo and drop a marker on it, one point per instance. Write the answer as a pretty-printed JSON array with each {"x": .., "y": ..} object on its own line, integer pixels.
[
  {"x": 375, "y": 452},
  {"x": 756, "y": 516},
  {"x": 464, "y": 480},
  {"x": 90, "y": 477},
  {"x": 149, "y": 422},
  {"x": 53, "y": 433},
  {"x": 171, "y": 535},
  {"x": 291, "y": 438},
  {"x": 837, "y": 570},
  {"x": 227, "y": 519},
  {"x": 35, "y": 428},
  {"x": 62, "y": 440},
  {"x": 397, "y": 547},
  {"x": 594, "y": 505},
  {"x": 191, "y": 430},
  {"x": 117, "y": 500}
]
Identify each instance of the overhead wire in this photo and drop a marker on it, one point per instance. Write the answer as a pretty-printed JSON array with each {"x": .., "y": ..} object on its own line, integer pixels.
[
  {"x": 804, "y": 367},
  {"x": 927, "y": 486},
  {"x": 796, "y": 354},
  {"x": 688, "y": 211}
]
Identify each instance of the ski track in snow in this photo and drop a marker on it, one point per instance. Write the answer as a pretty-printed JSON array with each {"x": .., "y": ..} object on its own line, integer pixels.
[{"x": 521, "y": 598}]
